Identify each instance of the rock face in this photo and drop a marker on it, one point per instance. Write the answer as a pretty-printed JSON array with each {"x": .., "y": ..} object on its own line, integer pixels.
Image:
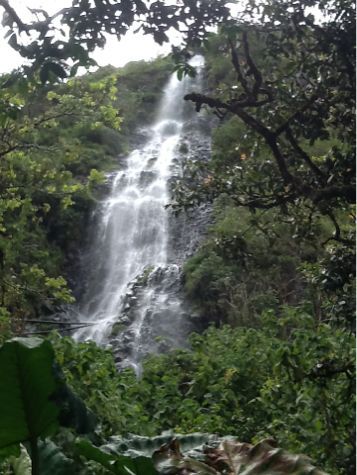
[
  {"x": 164, "y": 319},
  {"x": 187, "y": 229},
  {"x": 133, "y": 272}
]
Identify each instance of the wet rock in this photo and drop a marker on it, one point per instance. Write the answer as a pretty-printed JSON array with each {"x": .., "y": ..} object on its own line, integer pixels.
[
  {"x": 169, "y": 127},
  {"x": 117, "y": 328},
  {"x": 147, "y": 177}
]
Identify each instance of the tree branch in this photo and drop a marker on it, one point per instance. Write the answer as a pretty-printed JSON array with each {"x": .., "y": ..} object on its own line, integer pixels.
[
  {"x": 254, "y": 123},
  {"x": 236, "y": 65},
  {"x": 330, "y": 369},
  {"x": 250, "y": 98},
  {"x": 304, "y": 155},
  {"x": 337, "y": 236},
  {"x": 346, "y": 192},
  {"x": 15, "y": 17},
  {"x": 256, "y": 73}
]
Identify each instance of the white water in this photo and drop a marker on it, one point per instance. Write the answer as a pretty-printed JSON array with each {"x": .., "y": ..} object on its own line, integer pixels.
[{"x": 133, "y": 230}]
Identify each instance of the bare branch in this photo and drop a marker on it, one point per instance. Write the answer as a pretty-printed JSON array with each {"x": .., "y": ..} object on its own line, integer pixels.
[
  {"x": 38, "y": 25},
  {"x": 13, "y": 15},
  {"x": 346, "y": 192},
  {"x": 254, "y": 123},
  {"x": 235, "y": 62},
  {"x": 256, "y": 73},
  {"x": 304, "y": 155},
  {"x": 337, "y": 236}
]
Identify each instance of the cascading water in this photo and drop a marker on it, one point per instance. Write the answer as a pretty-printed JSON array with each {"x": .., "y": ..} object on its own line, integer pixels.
[{"x": 133, "y": 235}]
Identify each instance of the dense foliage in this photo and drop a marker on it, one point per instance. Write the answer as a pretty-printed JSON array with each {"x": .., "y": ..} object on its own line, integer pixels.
[
  {"x": 48, "y": 170},
  {"x": 291, "y": 380},
  {"x": 282, "y": 183},
  {"x": 282, "y": 175},
  {"x": 291, "y": 91},
  {"x": 41, "y": 418}
]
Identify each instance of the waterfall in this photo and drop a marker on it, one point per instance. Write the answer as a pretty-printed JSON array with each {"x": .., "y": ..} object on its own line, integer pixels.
[{"x": 133, "y": 235}]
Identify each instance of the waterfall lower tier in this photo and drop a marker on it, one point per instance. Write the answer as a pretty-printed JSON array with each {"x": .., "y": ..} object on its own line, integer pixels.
[{"x": 134, "y": 297}]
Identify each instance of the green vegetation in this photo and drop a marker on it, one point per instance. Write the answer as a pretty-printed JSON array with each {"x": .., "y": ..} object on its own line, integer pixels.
[
  {"x": 140, "y": 86},
  {"x": 281, "y": 247},
  {"x": 48, "y": 177},
  {"x": 290, "y": 379},
  {"x": 282, "y": 174},
  {"x": 249, "y": 264},
  {"x": 36, "y": 404}
]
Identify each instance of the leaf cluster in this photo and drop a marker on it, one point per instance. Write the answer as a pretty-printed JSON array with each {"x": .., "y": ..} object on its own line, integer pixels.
[
  {"x": 48, "y": 178},
  {"x": 57, "y": 45}
]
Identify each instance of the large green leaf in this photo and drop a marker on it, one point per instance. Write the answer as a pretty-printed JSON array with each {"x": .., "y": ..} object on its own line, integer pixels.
[
  {"x": 90, "y": 452},
  {"x": 117, "y": 464},
  {"x": 135, "y": 445},
  {"x": 52, "y": 459},
  {"x": 27, "y": 384}
]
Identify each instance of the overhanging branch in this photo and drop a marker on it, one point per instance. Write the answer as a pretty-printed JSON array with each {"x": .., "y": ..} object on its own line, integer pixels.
[{"x": 255, "y": 124}]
